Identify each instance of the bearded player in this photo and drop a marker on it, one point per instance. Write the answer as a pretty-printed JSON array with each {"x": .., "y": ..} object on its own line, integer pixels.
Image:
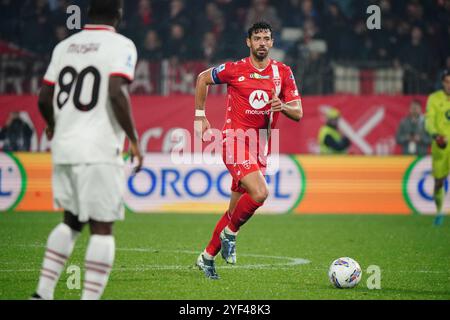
[
  {"x": 85, "y": 103},
  {"x": 259, "y": 90},
  {"x": 437, "y": 123}
]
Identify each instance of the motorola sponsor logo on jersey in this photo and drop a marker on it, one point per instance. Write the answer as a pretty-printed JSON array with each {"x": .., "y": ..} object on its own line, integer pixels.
[{"x": 258, "y": 99}]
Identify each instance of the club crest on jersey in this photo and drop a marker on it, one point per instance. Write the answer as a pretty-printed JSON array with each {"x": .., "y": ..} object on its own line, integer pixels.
[
  {"x": 277, "y": 82},
  {"x": 130, "y": 61},
  {"x": 258, "y": 99},
  {"x": 255, "y": 75},
  {"x": 246, "y": 164}
]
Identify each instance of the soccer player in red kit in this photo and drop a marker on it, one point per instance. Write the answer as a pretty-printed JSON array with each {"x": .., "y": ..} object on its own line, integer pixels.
[{"x": 259, "y": 89}]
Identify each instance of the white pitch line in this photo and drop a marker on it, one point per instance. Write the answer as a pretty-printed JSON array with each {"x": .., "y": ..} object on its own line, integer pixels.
[
  {"x": 289, "y": 263},
  {"x": 189, "y": 268}
]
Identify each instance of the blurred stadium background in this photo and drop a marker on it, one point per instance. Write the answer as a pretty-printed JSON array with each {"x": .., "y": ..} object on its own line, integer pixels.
[
  {"x": 326, "y": 42},
  {"x": 370, "y": 76}
]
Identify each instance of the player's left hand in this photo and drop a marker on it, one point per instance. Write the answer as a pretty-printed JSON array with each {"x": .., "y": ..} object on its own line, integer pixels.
[
  {"x": 135, "y": 152},
  {"x": 276, "y": 104}
]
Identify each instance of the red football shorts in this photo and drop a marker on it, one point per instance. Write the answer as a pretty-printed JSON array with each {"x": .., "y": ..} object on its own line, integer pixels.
[{"x": 240, "y": 160}]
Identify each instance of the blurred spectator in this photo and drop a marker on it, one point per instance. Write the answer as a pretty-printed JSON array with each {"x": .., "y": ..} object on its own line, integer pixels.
[
  {"x": 211, "y": 50},
  {"x": 36, "y": 27},
  {"x": 403, "y": 31},
  {"x": 261, "y": 11},
  {"x": 331, "y": 140},
  {"x": 411, "y": 134},
  {"x": 142, "y": 19},
  {"x": 308, "y": 12},
  {"x": 152, "y": 49},
  {"x": 416, "y": 58},
  {"x": 414, "y": 13},
  {"x": 59, "y": 14},
  {"x": 145, "y": 14},
  {"x": 438, "y": 81},
  {"x": 9, "y": 24},
  {"x": 338, "y": 33},
  {"x": 289, "y": 7},
  {"x": 178, "y": 13},
  {"x": 348, "y": 7},
  {"x": 53, "y": 4},
  {"x": 415, "y": 35},
  {"x": 416, "y": 53},
  {"x": 16, "y": 134},
  {"x": 61, "y": 33},
  {"x": 295, "y": 12},
  {"x": 177, "y": 44},
  {"x": 362, "y": 44},
  {"x": 386, "y": 40},
  {"x": 309, "y": 60},
  {"x": 215, "y": 20}
]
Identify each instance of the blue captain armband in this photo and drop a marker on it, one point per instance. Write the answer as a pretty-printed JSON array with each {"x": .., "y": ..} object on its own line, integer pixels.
[{"x": 215, "y": 73}]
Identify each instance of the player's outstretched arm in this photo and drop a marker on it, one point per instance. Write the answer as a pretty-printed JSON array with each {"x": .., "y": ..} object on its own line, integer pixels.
[
  {"x": 121, "y": 106},
  {"x": 45, "y": 103},
  {"x": 204, "y": 80}
]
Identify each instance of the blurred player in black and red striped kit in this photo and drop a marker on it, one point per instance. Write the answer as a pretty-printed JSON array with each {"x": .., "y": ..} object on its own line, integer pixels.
[{"x": 259, "y": 89}]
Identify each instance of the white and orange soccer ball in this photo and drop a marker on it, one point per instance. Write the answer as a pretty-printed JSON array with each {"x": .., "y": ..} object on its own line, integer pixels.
[{"x": 344, "y": 273}]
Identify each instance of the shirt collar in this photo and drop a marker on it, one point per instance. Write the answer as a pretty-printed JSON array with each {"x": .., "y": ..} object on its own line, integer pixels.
[
  {"x": 259, "y": 70},
  {"x": 99, "y": 27}
]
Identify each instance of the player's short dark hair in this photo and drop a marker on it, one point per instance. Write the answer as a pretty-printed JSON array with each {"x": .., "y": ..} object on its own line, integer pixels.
[
  {"x": 258, "y": 27},
  {"x": 445, "y": 74},
  {"x": 107, "y": 9}
]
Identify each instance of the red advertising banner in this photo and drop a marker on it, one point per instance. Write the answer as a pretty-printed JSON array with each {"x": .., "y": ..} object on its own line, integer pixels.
[{"x": 369, "y": 121}]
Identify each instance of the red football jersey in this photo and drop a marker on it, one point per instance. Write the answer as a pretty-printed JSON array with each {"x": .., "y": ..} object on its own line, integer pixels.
[{"x": 250, "y": 90}]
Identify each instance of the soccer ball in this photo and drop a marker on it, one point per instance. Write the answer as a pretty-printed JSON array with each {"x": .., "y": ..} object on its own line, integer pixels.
[{"x": 344, "y": 273}]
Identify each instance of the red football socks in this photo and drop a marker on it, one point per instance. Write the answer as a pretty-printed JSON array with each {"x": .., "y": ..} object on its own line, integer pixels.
[
  {"x": 214, "y": 245},
  {"x": 245, "y": 208}
]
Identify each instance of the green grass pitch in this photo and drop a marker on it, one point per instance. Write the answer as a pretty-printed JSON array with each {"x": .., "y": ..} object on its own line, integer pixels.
[{"x": 156, "y": 253}]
